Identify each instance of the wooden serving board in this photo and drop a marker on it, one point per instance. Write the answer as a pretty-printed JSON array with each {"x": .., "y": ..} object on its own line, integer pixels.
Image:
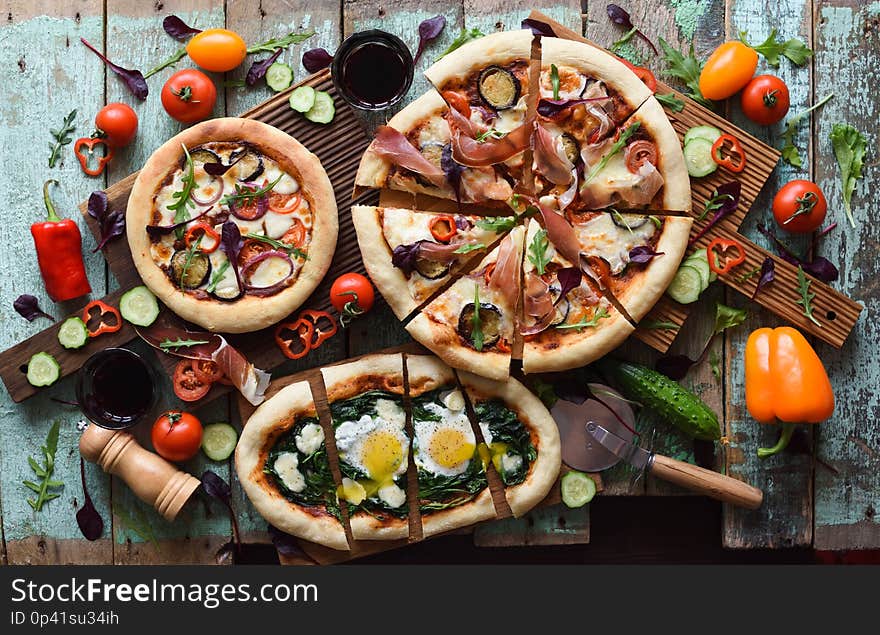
[{"x": 360, "y": 548}]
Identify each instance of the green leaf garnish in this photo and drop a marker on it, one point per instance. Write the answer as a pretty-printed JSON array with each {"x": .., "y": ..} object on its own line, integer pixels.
[
  {"x": 463, "y": 38},
  {"x": 499, "y": 224},
  {"x": 62, "y": 137},
  {"x": 727, "y": 317},
  {"x": 806, "y": 298},
  {"x": 615, "y": 46},
  {"x": 771, "y": 49},
  {"x": 671, "y": 101},
  {"x": 190, "y": 254},
  {"x": 749, "y": 275},
  {"x": 169, "y": 344},
  {"x": 658, "y": 325},
  {"x": 491, "y": 133},
  {"x": 599, "y": 314},
  {"x": 687, "y": 69},
  {"x": 714, "y": 203},
  {"x": 616, "y": 147},
  {"x": 244, "y": 194},
  {"x": 277, "y": 244},
  {"x": 178, "y": 55},
  {"x": 269, "y": 46},
  {"x": 849, "y": 148},
  {"x": 217, "y": 277},
  {"x": 467, "y": 248},
  {"x": 715, "y": 365},
  {"x": 554, "y": 80},
  {"x": 476, "y": 325},
  {"x": 538, "y": 251},
  {"x": 44, "y": 472},
  {"x": 182, "y": 199},
  {"x": 789, "y": 151}
]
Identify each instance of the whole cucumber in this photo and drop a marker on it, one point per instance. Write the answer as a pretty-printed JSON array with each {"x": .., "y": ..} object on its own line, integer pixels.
[{"x": 673, "y": 403}]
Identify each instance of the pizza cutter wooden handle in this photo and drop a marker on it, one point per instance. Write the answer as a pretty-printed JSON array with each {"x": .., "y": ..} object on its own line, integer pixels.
[
  {"x": 707, "y": 482},
  {"x": 153, "y": 479}
]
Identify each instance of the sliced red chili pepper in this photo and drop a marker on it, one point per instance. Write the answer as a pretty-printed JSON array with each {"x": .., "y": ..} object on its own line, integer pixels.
[
  {"x": 728, "y": 153},
  {"x": 85, "y": 159},
  {"x": 503, "y": 345},
  {"x": 487, "y": 272},
  {"x": 319, "y": 334},
  {"x": 443, "y": 228},
  {"x": 457, "y": 101},
  {"x": 101, "y": 318},
  {"x": 720, "y": 261},
  {"x": 207, "y": 232},
  {"x": 294, "y": 338}
]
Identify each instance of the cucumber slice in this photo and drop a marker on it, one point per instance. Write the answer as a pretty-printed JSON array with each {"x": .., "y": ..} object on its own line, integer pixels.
[
  {"x": 686, "y": 285},
  {"x": 322, "y": 110},
  {"x": 279, "y": 76},
  {"x": 701, "y": 265},
  {"x": 73, "y": 333},
  {"x": 700, "y": 255},
  {"x": 698, "y": 157},
  {"x": 139, "y": 306},
  {"x": 302, "y": 98},
  {"x": 43, "y": 370},
  {"x": 578, "y": 489},
  {"x": 709, "y": 133},
  {"x": 218, "y": 441}
]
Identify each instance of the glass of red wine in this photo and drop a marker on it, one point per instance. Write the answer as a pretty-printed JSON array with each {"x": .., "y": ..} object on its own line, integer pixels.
[
  {"x": 115, "y": 388},
  {"x": 372, "y": 70}
]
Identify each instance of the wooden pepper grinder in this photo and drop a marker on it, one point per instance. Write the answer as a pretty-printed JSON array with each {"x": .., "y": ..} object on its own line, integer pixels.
[{"x": 153, "y": 479}]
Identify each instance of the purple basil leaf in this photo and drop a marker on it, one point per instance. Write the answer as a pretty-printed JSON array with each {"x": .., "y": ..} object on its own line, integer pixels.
[
  {"x": 98, "y": 204},
  {"x": 569, "y": 278},
  {"x": 404, "y": 257},
  {"x": 538, "y": 27},
  {"x": 729, "y": 205},
  {"x": 822, "y": 269},
  {"x": 768, "y": 274},
  {"x": 286, "y": 544},
  {"x": 551, "y": 107},
  {"x": 674, "y": 366},
  {"x": 462, "y": 224},
  {"x": 112, "y": 226},
  {"x": 89, "y": 520},
  {"x": 28, "y": 307},
  {"x": 643, "y": 254},
  {"x": 315, "y": 59},
  {"x": 429, "y": 30},
  {"x": 259, "y": 67},
  {"x": 133, "y": 79},
  {"x": 231, "y": 243},
  {"x": 784, "y": 252},
  {"x": 619, "y": 16},
  {"x": 216, "y": 487},
  {"x": 177, "y": 28},
  {"x": 452, "y": 169}
]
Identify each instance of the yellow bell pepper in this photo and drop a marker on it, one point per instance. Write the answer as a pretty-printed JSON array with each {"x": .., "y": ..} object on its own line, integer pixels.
[{"x": 786, "y": 382}]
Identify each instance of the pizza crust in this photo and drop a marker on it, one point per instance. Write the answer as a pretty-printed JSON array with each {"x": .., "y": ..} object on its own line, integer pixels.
[
  {"x": 545, "y": 436},
  {"x": 268, "y": 422},
  {"x": 250, "y": 313},
  {"x": 496, "y": 48}
]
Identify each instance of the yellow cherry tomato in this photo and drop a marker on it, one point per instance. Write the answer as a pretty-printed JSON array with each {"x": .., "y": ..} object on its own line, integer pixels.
[
  {"x": 728, "y": 70},
  {"x": 217, "y": 50}
]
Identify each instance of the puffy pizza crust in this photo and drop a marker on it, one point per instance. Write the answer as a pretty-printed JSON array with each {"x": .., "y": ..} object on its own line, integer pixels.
[
  {"x": 496, "y": 48},
  {"x": 250, "y": 313},
  {"x": 268, "y": 422}
]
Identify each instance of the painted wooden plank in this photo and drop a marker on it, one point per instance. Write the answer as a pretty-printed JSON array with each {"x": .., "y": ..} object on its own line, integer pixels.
[
  {"x": 785, "y": 518},
  {"x": 52, "y": 74},
  {"x": 847, "y": 496}
]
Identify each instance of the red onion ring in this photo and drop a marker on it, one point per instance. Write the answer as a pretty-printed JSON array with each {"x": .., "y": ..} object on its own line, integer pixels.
[
  {"x": 262, "y": 208},
  {"x": 257, "y": 259},
  {"x": 213, "y": 199}
]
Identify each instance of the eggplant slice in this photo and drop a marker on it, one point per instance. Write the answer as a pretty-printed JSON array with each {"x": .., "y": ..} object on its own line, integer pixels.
[
  {"x": 431, "y": 269},
  {"x": 203, "y": 155},
  {"x": 628, "y": 221},
  {"x": 196, "y": 273},
  {"x": 498, "y": 87},
  {"x": 571, "y": 147},
  {"x": 250, "y": 163},
  {"x": 490, "y": 324}
]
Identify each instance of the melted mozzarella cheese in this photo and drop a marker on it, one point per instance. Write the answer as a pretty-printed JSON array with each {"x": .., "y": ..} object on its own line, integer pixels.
[
  {"x": 434, "y": 130},
  {"x": 309, "y": 438},
  {"x": 268, "y": 272},
  {"x": 392, "y": 495},
  {"x": 404, "y": 228},
  {"x": 287, "y": 185},
  {"x": 571, "y": 83},
  {"x": 276, "y": 225},
  {"x": 391, "y": 412},
  {"x": 511, "y": 118},
  {"x": 600, "y": 236},
  {"x": 287, "y": 467}
]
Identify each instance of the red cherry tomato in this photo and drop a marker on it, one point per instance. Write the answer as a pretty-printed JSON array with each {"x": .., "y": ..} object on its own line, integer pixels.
[
  {"x": 187, "y": 385},
  {"x": 176, "y": 435},
  {"x": 116, "y": 124},
  {"x": 217, "y": 50},
  {"x": 799, "y": 207},
  {"x": 765, "y": 99},
  {"x": 352, "y": 287},
  {"x": 189, "y": 95}
]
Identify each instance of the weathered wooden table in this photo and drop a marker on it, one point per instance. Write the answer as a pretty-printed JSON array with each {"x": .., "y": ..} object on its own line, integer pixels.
[{"x": 825, "y": 495}]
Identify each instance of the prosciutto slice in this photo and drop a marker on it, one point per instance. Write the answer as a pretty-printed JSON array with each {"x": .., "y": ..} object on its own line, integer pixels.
[
  {"x": 505, "y": 276},
  {"x": 597, "y": 111},
  {"x": 623, "y": 186},
  {"x": 250, "y": 381},
  {"x": 554, "y": 165},
  {"x": 561, "y": 234},
  {"x": 391, "y": 144},
  {"x": 538, "y": 304}
]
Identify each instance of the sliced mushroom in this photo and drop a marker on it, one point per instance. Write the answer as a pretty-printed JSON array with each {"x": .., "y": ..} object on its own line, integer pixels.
[
  {"x": 193, "y": 275},
  {"x": 498, "y": 87},
  {"x": 431, "y": 269},
  {"x": 490, "y": 324}
]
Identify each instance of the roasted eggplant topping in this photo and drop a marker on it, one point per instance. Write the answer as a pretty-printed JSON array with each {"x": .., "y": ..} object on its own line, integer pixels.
[
  {"x": 431, "y": 269},
  {"x": 192, "y": 275},
  {"x": 498, "y": 87},
  {"x": 571, "y": 147},
  {"x": 490, "y": 323},
  {"x": 562, "y": 309},
  {"x": 629, "y": 221},
  {"x": 432, "y": 151},
  {"x": 250, "y": 163},
  {"x": 203, "y": 155}
]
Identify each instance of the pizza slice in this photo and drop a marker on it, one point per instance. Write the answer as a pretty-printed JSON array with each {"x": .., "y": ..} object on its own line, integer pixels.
[
  {"x": 411, "y": 254},
  {"x": 521, "y": 438},
  {"x": 472, "y": 324},
  {"x": 282, "y": 464},
  {"x": 463, "y": 141},
  {"x": 453, "y": 488},
  {"x": 568, "y": 321},
  {"x": 369, "y": 427}
]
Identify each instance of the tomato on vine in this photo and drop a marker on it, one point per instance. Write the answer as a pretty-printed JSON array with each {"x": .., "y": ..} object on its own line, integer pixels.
[
  {"x": 351, "y": 295},
  {"x": 765, "y": 99}
]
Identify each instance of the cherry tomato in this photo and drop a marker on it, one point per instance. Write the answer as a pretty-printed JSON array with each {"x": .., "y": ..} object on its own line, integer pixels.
[
  {"x": 217, "y": 50},
  {"x": 799, "y": 207},
  {"x": 352, "y": 287},
  {"x": 765, "y": 99},
  {"x": 117, "y": 124},
  {"x": 187, "y": 385},
  {"x": 177, "y": 435},
  {"x": 189, "y": 96},
  {"x": 728, "y": 69}
]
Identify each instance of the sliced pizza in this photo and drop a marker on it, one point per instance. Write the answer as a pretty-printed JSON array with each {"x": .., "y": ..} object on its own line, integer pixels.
[
  {"x": 472, "y": 324},
  {"x": 369, "y": 429},
  {"x": 411, "y": 254},
  {"x": 521, "y": 438},
  {"x": 453, "y": 488},
  {"x": 282, "y": 464}
]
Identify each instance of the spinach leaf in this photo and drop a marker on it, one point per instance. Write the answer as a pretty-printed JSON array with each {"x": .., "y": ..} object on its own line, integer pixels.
[
  {"x": 438, "y": 492},
  {"x": 363, "y": 404},
  {"x": 506, "y": 428}
]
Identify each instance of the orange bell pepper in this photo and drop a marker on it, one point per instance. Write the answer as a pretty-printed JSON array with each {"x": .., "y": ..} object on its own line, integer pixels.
[{"x": 785, "y": 382}]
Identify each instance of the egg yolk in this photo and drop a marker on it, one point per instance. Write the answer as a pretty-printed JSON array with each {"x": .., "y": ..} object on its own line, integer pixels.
[
  {"x": 449, "y": 447},
  {"x": 382, "y": 455}
]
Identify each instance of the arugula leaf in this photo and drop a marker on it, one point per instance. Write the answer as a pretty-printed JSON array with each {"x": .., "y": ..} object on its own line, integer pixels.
[
  {"x": 849, "y": 147},
  {"x": 137, "y": 523},
  {"x": 269, "y": 46},
  {"x": 463, "y": 38},
  {"x": 62, "y": 137},
  {"x": 554, "y": 80},
  {"x": 168, "y": 344},
  {"x": 659, "y": 325},
  {"x": 545, "y": 391},
  {"x": 715, "y": 203},
  {"x": 789, "y": 151},
  {"x": 616, "y": 147},
  {"x": 538, "y": 251},
  {"x": 182, "y": 199},
  {"x": 499, "y": 224},
  {"x": 727, "y": 317},
  {"x": 619, "y": 43},
  {"x": 467, "y": 248},
  {"x": 476, "y": 325},
  {"x": 771, "y": 49},
  {"x": 44, "y": 472},
  {"x": 687, "y": 69},
  {"x": 491, "y": 133},
  {"x": 217, "y": 277},
  {"x": 190, "y": 254},
  {"x": 243, "y": 194},
  {"x": 178, "y": 55},
  {"x": 601, "y": 313},
  {"x": 806, "y": 298},
  {"x": 277, "y": 244},
  {"x": 671, "y": 101}
]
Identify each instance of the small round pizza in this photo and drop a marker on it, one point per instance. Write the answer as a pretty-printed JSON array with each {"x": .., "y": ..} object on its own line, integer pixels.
[
  {"x": 232, "y": 224},
  {"x": 282, "y": 464}
]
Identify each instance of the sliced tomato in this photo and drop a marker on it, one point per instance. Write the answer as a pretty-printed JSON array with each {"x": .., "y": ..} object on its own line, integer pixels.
[
  {"x": 207, "y": 371},
  {"x": 250, "y": 249},
  {"x": 284, "y": 203},
  {"x": 296, "y": 235},
  {"x": 187, "y": 385}
]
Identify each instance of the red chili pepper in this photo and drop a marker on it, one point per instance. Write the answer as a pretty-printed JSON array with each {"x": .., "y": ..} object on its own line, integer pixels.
[
  {"x": 85, "y": 159},
  {"x": 719, "y": 261},
  {"x": 59, "y": 252},
  {"x": 101, "y": 319},
  {"x": 487, "y": 273},
  {"x": 643, "y": 74},
  {"x": 457, "y": 101},
  {"x": 205, "y": 230},
  {"x": 443, "y": 228},
  {"x": 303, "y": 329},
  {"x": 735, "y": 157},
  {"x": 319, "y": 334}
]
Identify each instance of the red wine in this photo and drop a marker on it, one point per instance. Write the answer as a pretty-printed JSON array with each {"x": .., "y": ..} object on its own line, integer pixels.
[
  {"x": 115, "y": 388},
  {"x": 373, "y": 70}
]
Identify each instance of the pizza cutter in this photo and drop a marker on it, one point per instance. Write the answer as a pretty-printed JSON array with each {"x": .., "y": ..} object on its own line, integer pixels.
[{"x": 692, "y": 477}]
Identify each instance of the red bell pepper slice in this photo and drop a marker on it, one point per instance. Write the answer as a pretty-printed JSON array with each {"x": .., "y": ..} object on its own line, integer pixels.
[
  {"x": 85, "y": 159},
  {"x": 295, "y": 348},
  {"x": 320, "y": 334},
  {"x": 206, "y": 231},
  {"x": 728, "y": 152},
  {"x": 101, "y": 318},
  {"x": 443, "y": 228},
  {"x": 720, "y": 261}
]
